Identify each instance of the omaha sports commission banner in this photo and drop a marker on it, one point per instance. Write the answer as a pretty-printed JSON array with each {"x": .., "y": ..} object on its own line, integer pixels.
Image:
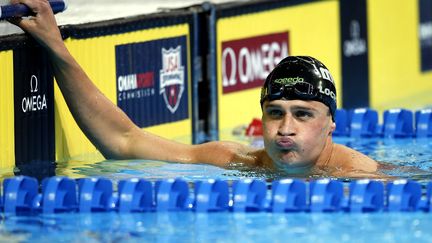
[
  {"x": 145, "y": 72},
  {"x": 252, "y": 39},
  {"x": 152, "y": 80}
]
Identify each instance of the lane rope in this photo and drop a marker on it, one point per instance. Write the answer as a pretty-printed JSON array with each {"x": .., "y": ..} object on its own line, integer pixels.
[{"x": 22, "y": 194}]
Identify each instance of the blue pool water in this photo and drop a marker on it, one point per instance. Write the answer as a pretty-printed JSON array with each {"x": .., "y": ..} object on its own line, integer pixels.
[
  {"x": 220, "y": 227},
  {"x": 404, "y": 158}
]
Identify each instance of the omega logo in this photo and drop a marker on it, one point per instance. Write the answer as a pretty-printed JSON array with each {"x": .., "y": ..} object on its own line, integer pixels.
[
  {"x": 425, "y": 33},
  {"x": 250, "y": 65},
  {"x": 33, "y": 84},
  {"x": 35, "y": 102},
  {"x": 355, "y": 46}
]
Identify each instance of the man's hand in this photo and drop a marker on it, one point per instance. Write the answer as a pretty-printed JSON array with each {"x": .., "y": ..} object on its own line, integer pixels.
[{"x": 42, "y": 25}]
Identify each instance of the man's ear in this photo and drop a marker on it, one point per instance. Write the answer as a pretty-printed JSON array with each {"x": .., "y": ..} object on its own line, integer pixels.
[{"x": 332, "y": 127}]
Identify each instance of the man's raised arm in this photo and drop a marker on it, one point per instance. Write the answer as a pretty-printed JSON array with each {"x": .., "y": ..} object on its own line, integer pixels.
[
  {"x": 102, "y": 122},
  {"x": 108, "y": 127}
]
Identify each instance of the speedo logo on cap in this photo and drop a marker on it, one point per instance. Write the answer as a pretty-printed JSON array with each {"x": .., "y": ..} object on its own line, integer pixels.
[{"x": 289, "y": 81}]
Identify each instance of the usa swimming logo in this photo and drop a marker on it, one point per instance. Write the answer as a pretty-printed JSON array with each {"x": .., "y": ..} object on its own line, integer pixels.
[
  {"x": 172, "y": 78},
  {"x": 152, "y": 80}
]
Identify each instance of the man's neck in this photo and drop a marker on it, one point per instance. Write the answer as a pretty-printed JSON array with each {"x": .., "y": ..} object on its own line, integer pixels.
[{"x": 325, "y": 157}]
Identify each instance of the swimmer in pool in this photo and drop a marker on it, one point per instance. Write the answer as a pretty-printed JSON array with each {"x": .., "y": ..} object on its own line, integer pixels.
[{"x": 298, "y": 103}]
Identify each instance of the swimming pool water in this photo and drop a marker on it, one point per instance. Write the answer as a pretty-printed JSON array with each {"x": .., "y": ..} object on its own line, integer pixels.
[
  {"x": 403, "y": 158},
  {"x": 410, "y": 158},
  {"x": 219, "y": 227}
]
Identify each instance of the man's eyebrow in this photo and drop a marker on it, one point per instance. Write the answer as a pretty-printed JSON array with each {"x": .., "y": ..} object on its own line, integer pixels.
[
  {"x": 272, "y": 106},
  {"x": 299, "y": 107}
]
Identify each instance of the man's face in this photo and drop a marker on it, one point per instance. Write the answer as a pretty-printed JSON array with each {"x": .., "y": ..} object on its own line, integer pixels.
[{"x": 295, "y": 131}]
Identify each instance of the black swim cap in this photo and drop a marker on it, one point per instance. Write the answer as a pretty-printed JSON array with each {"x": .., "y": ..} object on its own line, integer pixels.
[{"x": 300, "y": 78}]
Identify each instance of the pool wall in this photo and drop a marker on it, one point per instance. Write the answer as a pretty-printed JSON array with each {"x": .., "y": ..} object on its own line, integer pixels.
[{"x": 222, "y": 52}]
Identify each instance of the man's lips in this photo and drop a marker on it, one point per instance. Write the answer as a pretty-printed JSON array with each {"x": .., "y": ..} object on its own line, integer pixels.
[{"x": 285, "y": 143}]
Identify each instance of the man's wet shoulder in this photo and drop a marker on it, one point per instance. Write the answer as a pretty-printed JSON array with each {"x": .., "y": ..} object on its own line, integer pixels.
[{"x": 350, "y": 159}]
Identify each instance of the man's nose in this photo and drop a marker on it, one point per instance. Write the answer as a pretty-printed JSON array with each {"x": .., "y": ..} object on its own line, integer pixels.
[{"x": 287, "y": 126}]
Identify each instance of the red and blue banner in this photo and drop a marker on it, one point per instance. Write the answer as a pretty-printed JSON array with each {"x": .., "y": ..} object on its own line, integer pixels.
[
  {"x": 247, "y": 62},
  {"x": 152, "y": 80}
]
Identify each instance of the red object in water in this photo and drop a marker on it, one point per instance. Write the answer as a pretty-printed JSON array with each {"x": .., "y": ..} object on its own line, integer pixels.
[{"x": 254, "y": 128}]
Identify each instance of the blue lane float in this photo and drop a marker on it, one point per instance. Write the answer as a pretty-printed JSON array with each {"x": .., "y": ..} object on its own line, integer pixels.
[
  {"x": 65, "y": 195},
  {"x": 211, "y": 196},
  {"x": 172, "y": 195},
  {"x": 423, "y": 123},
  {"x": 403, "y": 196},
  {"x": 95, "y": 194},
  {"x": 366, "y": 196},
  {"x": 288, "y": 195},
  {"x": 19, "y": 193},
  {"x": 249, "y": 196},
  {"x": 363, "y": 122},
  {"x": 326, "y": 196},
  {"x": 134, "y": 195},
  {"x": 58, "y": 195},
  {"x": 397, "y": 123},
  {"x": 426, "y": 204}
]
